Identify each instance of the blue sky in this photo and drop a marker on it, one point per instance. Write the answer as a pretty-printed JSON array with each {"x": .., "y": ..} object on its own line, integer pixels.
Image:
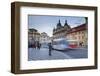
[{"x": 47, "y": 23}]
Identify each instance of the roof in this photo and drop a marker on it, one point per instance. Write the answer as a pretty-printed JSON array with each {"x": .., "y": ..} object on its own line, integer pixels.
[
  {"x": 32, "y": 29},
  {"x": 78, "y": 28}
]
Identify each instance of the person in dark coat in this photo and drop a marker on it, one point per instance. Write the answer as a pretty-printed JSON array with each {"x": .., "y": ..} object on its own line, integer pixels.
[
  {"x": 50, "y": 48},
  {"x": 38, "y": 45},
  {"x": 34, "y": 45}
]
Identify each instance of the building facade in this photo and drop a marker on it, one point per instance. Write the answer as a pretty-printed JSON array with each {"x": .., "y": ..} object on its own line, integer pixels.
[
  {"x": 33, "y": 34},
  {"x": 79, "y": 33},
  {"x": 44, "y": 38},
  {"x": 60, "y": 31}
]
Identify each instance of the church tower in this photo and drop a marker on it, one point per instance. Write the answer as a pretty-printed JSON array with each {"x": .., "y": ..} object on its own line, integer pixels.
[
  {"x": 59, "y": 24},
  {"x": 66, "y": 25}
]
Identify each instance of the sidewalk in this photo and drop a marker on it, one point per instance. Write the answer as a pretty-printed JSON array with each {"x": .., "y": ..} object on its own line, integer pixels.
[{"x": 43, "y": 54}]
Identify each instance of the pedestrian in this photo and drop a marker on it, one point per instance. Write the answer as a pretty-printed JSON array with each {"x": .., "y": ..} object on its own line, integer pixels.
[
  {"x": 34, "y": 45},
  {"x": 81, "y": 44},
  {"x": 50, "y": 48},
  {"x": 38, "y": 45}
]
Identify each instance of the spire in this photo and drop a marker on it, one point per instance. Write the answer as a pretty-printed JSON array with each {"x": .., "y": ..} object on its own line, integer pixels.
[
  {"x": 59, "y": 20},
  {"x": 65, "y": 21},
  {"x": 59, "y": 24},
  {"x": 66, "y": 24}
]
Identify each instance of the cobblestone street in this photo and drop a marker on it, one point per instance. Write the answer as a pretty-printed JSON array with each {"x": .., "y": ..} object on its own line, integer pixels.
[{"x": 43, "y": 54}]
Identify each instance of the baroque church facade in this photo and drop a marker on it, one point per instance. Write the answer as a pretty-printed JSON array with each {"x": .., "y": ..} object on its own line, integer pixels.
[{"x": 61, "y": 30}]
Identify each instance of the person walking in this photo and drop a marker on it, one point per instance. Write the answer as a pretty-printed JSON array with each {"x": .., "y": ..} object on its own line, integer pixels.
[
  {"x": 50, "y": 48},
  {"x": 39, "y": 46},
  {"x": 34, "y": 45}
]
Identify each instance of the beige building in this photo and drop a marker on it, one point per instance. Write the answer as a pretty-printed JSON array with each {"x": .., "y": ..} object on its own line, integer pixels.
[
  {"x": 44, "y": 38},
  {"x": 60, "y": 31},
  {"x": 33, "y": 34},
  {"x": 79, "y": 33}
]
